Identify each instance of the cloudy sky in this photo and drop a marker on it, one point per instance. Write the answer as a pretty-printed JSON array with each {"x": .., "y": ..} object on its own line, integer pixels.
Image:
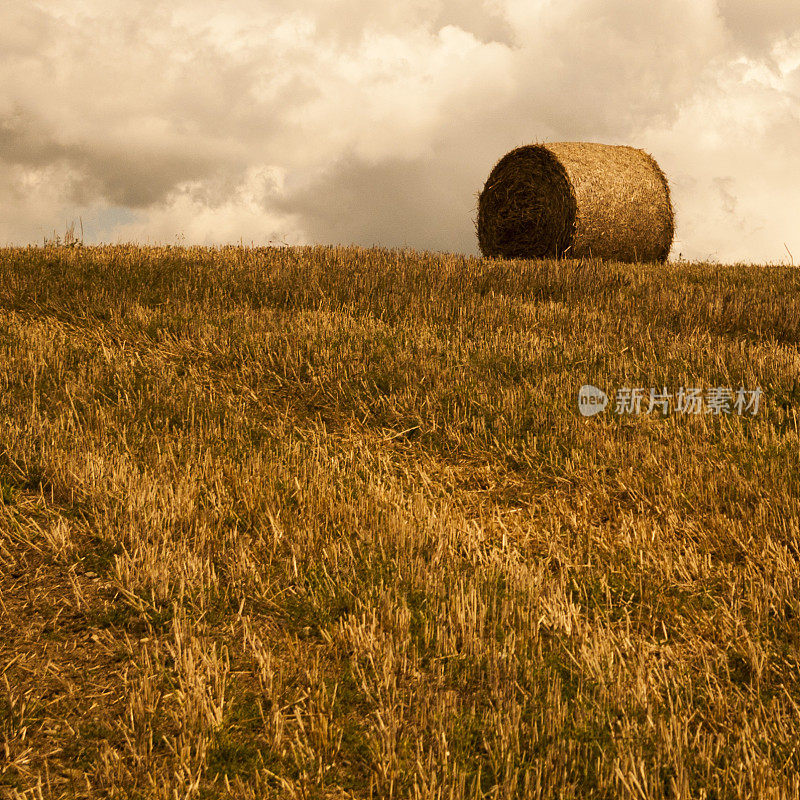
[{"x": 359, "y": 121}]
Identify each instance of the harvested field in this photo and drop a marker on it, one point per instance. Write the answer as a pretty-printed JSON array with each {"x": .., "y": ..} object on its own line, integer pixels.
[{"x": 326, "y": 523}]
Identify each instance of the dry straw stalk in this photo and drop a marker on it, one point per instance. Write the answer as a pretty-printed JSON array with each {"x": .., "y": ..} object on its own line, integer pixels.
[{"x": 576, "y": 200}]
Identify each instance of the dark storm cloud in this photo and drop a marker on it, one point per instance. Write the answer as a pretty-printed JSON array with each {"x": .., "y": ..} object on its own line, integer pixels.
[
  {"x": 420, "y": 203},
  {"x": 133, "y": 174},
  {"x": 756, "y": 26}
]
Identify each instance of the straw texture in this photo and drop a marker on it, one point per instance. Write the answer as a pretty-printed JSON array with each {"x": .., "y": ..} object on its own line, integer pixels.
[{"x": 575, "y": 200}]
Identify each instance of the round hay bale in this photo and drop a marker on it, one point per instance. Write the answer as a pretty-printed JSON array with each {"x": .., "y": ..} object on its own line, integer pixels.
[{"x": 575, "y": 200}]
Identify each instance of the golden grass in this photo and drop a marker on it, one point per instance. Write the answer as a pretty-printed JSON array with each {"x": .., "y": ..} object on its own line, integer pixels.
[{"x": 326, "y": 522}]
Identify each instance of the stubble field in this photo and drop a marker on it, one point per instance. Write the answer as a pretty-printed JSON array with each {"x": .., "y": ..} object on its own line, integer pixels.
[{"x": 326, "y": 523}]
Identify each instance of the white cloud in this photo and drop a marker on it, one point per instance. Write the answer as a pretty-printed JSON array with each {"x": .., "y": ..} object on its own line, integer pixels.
[
  {"x": 734, "y": 165},
  {"x": 349, "y": 120}
]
